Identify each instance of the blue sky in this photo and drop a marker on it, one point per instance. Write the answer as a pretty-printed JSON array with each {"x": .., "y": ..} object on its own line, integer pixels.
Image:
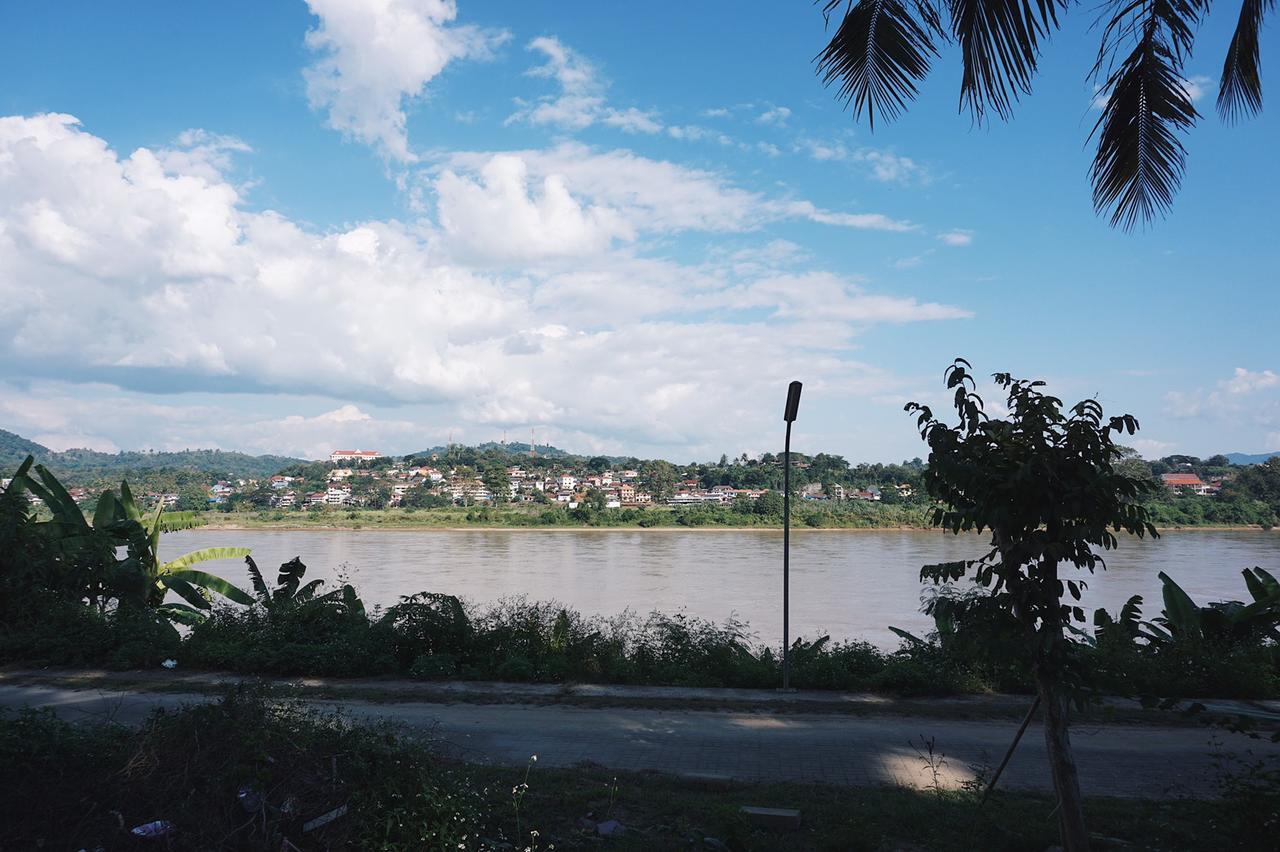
[{"x": 381, "y": 223}]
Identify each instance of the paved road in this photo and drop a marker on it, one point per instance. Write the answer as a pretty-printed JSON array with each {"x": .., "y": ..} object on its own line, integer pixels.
[{"x": 1115, "y": 760}]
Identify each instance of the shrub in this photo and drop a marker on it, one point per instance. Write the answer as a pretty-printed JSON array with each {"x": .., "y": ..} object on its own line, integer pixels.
[{"x": 434, "y": 667}]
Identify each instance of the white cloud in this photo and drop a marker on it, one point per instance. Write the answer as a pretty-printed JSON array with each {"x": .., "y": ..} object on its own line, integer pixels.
[
  {"x": 1246, "y": 396},
  {"x": 1244, "y": 381},
  {"x": 1152, "y": 449},
  {"x": 496, "y": 217},
  {"x": 865, "y": 221},
  {"x": 661, "y": 196},
  {"x": 774, "y": 115},
  {"x": 581, "y": 100},
  {"x": 716, "y": 112},
  {"x": 882, "y": 165},
  {"x": 957, "y": 237},
  {"x": 633, "y": 120},
  {"x": 1197, "y": 86},
  {"x": 888, "y": 167},
  {"x": 188, "y": 292},
  {"x": 375, "y": 55}
]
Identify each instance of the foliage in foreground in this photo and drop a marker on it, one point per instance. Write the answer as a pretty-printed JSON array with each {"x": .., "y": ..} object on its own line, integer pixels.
[
  {"x": 245, "y": 774},
  {"x": 239, "y": 774}
]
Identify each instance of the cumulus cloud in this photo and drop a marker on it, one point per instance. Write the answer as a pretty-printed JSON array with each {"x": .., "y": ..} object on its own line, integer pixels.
[
  {"x": 496, "y": 217},
  {"x": 187, "y": 291},
  {"x": 373, "y": 56},
  {"x": 580, "y": 101},
  {"x": 1244, "y": 381},
  {"x": 1245, "y": 396}
]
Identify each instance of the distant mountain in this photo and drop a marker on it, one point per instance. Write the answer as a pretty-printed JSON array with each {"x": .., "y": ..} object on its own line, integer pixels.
[
  {"x": 81, "y": 465},
  {"x": 1246, "y": 458},
  {"x": 16, "y": 448}
]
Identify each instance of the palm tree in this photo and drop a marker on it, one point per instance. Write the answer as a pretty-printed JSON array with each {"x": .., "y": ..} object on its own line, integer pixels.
[{"x": 882, "y": 49}]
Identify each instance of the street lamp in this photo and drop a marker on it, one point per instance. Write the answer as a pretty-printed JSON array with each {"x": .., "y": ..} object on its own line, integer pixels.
[{"x": 789, "y": 415}]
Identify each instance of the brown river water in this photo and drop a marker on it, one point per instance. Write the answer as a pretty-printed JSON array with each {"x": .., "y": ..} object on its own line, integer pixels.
[{"x": 849, "y": 584}]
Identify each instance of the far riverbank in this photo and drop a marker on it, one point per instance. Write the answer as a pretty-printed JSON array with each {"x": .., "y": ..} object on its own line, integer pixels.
[{"x": 658, "y": 520}]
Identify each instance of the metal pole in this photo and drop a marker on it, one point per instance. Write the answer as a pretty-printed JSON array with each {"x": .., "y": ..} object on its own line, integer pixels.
[
  {"x": 789, "y": 415},
  {"x": 786, "y": 561}
]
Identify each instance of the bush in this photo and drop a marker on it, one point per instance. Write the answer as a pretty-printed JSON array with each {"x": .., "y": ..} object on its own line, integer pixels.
[{"x": 434, "y": 667}]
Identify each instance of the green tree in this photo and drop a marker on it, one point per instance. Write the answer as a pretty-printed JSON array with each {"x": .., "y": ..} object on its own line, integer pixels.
[
  {"x": 769, "y": 504},
  {"x": 1044, "y": 482},
  {"x": 498, "y": 481},
  {"x": 882, "y": 49},
  {"x": 658, "y": 478}
]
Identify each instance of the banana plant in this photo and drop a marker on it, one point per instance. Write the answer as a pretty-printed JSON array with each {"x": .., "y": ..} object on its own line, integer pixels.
[
  {"x": 1183, "y": 620},
  {"x": 141, "y": 578},
  {"x": 290, "y": 592}
]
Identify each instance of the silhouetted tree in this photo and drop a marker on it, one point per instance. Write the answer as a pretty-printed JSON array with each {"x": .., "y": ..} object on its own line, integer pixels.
[{"x": 1046, "y": 485}]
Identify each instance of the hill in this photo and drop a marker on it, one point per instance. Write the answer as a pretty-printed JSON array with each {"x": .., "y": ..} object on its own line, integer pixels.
[
  {"x": 1246, "y": 458},
  {"x": 514, "y": 448},
  {"x": 84, "y": 467}
]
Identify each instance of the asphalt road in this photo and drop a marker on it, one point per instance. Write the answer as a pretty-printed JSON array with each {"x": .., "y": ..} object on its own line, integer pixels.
[{"x": 1114, "y": 760}]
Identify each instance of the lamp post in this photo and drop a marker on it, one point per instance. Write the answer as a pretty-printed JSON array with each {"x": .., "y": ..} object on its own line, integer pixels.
[{"x": 789, "y": 415}]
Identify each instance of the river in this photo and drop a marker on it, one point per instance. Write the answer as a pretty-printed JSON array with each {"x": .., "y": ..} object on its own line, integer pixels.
[{"x": 849, "y": 584}]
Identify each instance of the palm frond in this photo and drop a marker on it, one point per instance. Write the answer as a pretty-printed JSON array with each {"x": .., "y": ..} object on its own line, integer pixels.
[
  {"x": 1240, "y": 92},
  {"x": 1000, "y": 46},
  {"x": 879, "y": 54},
  {"x": 1140, "y": 160}
]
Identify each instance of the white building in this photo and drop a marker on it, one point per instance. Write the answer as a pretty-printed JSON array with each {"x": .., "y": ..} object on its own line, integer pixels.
[{"x": 342, "y": 456}]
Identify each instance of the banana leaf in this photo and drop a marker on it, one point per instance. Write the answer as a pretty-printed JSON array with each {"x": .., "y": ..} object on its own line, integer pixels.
[
  {"x": 181, "y": 613},
  {"x": 205, "y": 555},
  {"x": 188, "y": 592},
  {"x": 213, "y": 583}
]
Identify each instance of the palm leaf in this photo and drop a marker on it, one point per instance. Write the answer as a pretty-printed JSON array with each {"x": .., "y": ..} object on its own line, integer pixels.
[
  {"x": 1262, "y": 586},
  {"x": 1140, "y": 161},
  {"x": 213, "y": 583},
  {"x": 1000, "y": 46},
  {"x": 878, "y": 54},
  {"x": 1240, "y": 91}
]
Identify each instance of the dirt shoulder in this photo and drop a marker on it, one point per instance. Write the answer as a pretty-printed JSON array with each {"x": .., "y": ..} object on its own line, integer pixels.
[{"x": 1112, "y": 710}]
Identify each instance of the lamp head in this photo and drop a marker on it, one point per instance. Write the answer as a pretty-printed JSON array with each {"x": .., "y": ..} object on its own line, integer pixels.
[{"x": 793, "y": 402}]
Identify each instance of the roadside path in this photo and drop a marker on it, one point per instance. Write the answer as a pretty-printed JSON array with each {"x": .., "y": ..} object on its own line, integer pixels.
[{"x": 1114, "y": 760}]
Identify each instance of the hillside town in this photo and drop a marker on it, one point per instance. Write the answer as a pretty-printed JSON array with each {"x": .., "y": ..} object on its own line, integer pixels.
[{"x": 356, "y": 478}]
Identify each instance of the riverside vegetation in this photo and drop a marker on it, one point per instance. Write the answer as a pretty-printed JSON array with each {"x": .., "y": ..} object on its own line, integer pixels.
[
  {"x": 93, "y": 590},
  {"x": 69, "y": 598}
]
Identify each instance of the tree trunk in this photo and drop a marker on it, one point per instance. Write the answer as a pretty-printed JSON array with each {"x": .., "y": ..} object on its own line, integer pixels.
[
  {"x": 1062, "y": 765},
  {"x": 1057, "y": 708}
]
